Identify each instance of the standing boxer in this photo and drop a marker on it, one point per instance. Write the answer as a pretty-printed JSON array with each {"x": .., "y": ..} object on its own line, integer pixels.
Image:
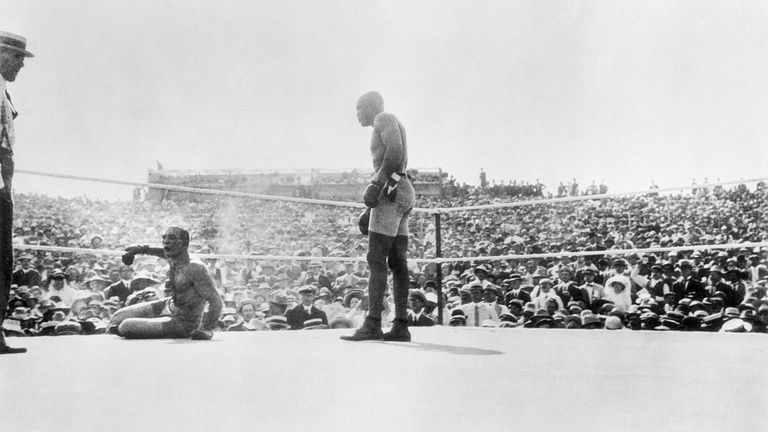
[
  {"x": 389, "y": 199},
  {"x": 13, "y": 50}
]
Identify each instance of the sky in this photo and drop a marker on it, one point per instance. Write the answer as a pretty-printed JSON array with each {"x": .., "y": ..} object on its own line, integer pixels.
[{"x": 622, "y": 92}]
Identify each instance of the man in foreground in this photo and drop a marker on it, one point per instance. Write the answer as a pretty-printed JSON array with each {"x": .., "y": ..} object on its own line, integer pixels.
[
  {"x": 13, "y": 51},
  {"x": 190, "y": 287}
]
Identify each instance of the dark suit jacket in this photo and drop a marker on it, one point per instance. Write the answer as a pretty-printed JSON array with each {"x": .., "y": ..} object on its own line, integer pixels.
[
  {"x": 298, "y": 315},
  {"x": 422, "y": 321},
  {"x": 29, "y": 278},
  {"x": 683, "y": 287},
  {"x": 517, "y": 294}
]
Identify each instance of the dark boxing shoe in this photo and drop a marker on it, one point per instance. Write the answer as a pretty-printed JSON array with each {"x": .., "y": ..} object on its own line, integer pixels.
[
  {"x": 399, "y": 332},
  {"x": 5, "y": 349},
  {"x": 371, "y": 330}
]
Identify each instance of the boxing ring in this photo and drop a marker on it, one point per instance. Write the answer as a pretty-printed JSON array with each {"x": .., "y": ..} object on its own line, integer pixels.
[{"x": 447, "y": 379}]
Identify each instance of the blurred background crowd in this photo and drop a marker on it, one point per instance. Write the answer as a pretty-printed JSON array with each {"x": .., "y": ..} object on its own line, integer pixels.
[{"x": 715, "y": 289}]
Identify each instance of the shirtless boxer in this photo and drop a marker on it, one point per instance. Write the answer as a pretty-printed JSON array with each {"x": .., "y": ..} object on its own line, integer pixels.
[
  {"x": 389, "y": 199},
  {"x": 181, "y": 314}
]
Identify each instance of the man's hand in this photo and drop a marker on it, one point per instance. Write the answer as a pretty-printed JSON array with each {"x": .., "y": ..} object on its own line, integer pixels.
[
  {"x": 131, "y": 251},
  {"x": 371, "y": 196},
  {"x": 201, "y": 334},
  {"x": 363, "y": 221}
]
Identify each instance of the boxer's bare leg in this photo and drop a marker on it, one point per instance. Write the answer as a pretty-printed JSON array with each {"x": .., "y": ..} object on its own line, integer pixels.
[
  {"x": 140, "y": 310},
  {"x": 152, "y": 328}
]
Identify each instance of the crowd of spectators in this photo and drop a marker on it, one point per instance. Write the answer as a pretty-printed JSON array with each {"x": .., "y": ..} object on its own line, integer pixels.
[{"x": 715, "y": 289}]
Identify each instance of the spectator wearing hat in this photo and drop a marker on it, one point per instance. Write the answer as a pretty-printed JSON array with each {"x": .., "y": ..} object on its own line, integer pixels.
[
  {"x": 306, "y": 310},
  {"x": 349, "y": 278},
  {"x": 756, "y": 269},
  {"x": 247, "y": 310},
  {"x": 335, "y": 308},
  {"x": 13, "y": 51},
  {"x": 277, "y": 322},
  {"x": 314, "y": 324},
  {"x": 491, "y": 295},
  {"x": 564, "y": 263},
  {"x": 477, "y": 310},
  {"x": 620, "y": 267},
  {"x": 26, "y": 275},
  {"x": 656, "y": 285},
  {"x": 95, "y": 283},
  {"x": 590, "y": 321},
  {"x": 617, "y": 291},
  {"x": 545, "y": 292},
  {"x": 248, "y": 273},
  {"x": 540, "y": 319},
  {"x": 267, "y": 275},
  {"x": 757, "y": 291},
  {"x": 457, "y": 318},
  {"x": 315, "y": 274},
  {"x": 483, "y": 273},
  {"x": 516, "y": 291},
  {"x": 715, "y": 282},
  {"x": 278, "y": 304},
  {"x": 358, "y": 311},
  {"x": 60, "y": 288},
  {"x": 567, "y": 289},
  {"x": 735, "y": 278},
  {"x": 417, "y": 315},
  {"x": 591, "y": 289},
  {"x": 687, "y": 284},
  {"x": 122, "y": 288}
]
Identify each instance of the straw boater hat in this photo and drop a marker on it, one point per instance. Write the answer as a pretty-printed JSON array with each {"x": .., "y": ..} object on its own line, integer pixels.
[
  {"x": 314, "y": 324},
  {"x": 14, "y": 42}
]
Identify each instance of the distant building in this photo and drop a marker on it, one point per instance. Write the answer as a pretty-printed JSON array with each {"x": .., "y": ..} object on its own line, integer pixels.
[{"x": 346, "y": 185}]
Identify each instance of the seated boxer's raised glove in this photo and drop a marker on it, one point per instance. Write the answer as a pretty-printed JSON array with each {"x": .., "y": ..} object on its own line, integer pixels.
[
  {"x": 363, "y": 221},
  {"x": 390, "y": 188},
  {"x": 372, "y": 193},
  {"x": 131, "y": 251},
  {"x": 201, "y": 334}
]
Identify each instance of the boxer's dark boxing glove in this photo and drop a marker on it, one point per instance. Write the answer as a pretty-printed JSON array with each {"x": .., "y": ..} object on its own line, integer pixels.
[
  {"x": 131, "y": 252},
  {"x": 363, "y": 221},
  {"x": 390, "y": 188},
  {"x": 371, "y": 196}
]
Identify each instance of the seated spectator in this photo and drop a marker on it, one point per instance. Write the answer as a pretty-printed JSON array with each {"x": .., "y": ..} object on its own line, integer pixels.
[
  {"x": 60, "y": 288},
  {"x": 417, "y": 317}
]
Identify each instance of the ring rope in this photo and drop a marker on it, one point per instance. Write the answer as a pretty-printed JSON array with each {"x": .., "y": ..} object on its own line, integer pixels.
[
  {"x": 196, "y": 190},
  {"x": 422, "y": 260},
  {"x": 605, "y": 252},
  {"x": 361, "y": 206}
]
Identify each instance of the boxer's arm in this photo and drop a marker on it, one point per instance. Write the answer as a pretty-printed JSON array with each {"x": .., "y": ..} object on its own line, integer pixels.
[
  {"x": 203, "y": 283},
  {"x": 388, "y": 129},
  {"x": 145, "y": 250},
  {"x": 155, "y": 251},
  {"x": 133, "y": 250}
]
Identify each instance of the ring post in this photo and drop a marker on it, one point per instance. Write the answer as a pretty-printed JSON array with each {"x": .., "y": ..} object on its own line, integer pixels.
[{"x": 439, "y": 274}]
